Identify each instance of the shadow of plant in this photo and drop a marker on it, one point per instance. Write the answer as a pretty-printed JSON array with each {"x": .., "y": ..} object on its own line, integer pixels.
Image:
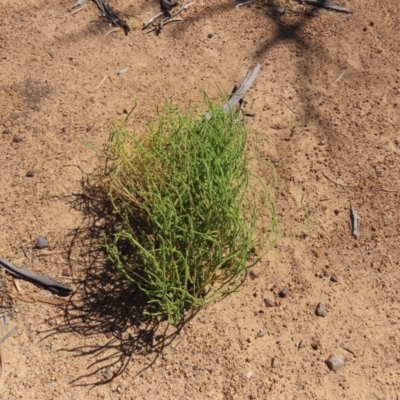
[{"x": 105, "y": 306}]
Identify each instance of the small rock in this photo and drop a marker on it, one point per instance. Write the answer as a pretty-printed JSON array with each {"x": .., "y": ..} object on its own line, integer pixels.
[
  {"x": 301, "y": 344},
  {"x": 17, "y": 139},
  {"x": 334, "y": 278},
  {"x": 64, "y": 129},
  {"x": 7, "y": 131},
  {"x": 30, "y": 173},
  {"x": 321, "y": 310},
  {"x": 66, "y": 272},
  {"x": 254, "y": 274},
  {"x": 249, "y": 375},
  {"x": 275, "y": 362},
  {"x": 41, "y": 243},
  {"x": 284, "y": 292},
  {"x": 314, "y": 346},
  {"x": 108, "y": 334},
  {"x": 334, "y": 363},
  {"x": 269, "y": 303},
  {"x": 260, "y": 334},
  {"x": 107, "y": 374}
]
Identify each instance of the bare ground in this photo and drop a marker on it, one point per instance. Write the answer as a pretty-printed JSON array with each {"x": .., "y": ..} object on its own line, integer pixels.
[{"x": 335, "y": 142}]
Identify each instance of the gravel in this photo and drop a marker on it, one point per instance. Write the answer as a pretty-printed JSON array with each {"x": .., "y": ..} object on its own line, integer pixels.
[
  {"x": 41, "y": 243},
  {"x": 269, "y": 303},
  {"x": 275, "y": 362},
  {"x": 321, "y": 310},
  {"x": 334, "y": 363},
  {"x": 284, "y": 292},
  {"x": 107, "y": 374},
  {"x": 254, "y": 274}
]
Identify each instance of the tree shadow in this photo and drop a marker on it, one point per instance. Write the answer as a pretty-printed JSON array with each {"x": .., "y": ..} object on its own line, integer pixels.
[
  {"x": 290, "y": 28},
  {"x": 106, "y": 306}
]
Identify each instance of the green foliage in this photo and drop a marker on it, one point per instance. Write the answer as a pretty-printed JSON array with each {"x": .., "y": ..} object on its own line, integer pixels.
[{"x": 183, "y": 193}]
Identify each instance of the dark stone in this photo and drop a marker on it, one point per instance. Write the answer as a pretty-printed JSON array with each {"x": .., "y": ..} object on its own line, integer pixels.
[
  {"x": 17, "y": 139},
  {"x": 41, "y": 243},
  {"x": 254, "y": 274},
  {"x": 284, "y": 292}
]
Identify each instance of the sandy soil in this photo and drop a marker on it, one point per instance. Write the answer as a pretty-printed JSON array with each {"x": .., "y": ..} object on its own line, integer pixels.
[{"x": 335, "y": 142}]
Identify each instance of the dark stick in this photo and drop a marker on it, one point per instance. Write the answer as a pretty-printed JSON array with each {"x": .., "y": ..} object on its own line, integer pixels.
[
  {"x": 40, "y": 280},
  {"x": 108, "y": 12}
]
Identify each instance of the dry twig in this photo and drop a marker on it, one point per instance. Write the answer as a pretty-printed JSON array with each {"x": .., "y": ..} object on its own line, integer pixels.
[
  {"x": 168, "y": 19},
  {"x": 340, "y": 76},
  {"x": 72, "y": 12},
  {"x": 287, "y": 105},
  {"x": 355, "y": 222},
  {"x": 337, "y": 183}
]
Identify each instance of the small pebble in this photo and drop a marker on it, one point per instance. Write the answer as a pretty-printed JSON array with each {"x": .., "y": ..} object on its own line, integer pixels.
[
  {"x": 334, "y": 363},
  {"x": 284, "y": 292},
  {"x": 260, "y": 334},
  {"x": 334, "y": 278},
  {"x": 321, "y": 310},
  {"x": 249, "y": 375},
  {"x": 64, "y": 129},
  {"x": 314, "y": 346},
  {"x": 269, "y": 303},
  {"x": 301, "y": 344},
  {"x": 7, "y": 131},
  {"x": 275, "y": 362},
  {"x": 93, "y": 229},
  {"x": 41, "y": 243},
  {"x": 254, "y": 274},
  {"x": 107, "y": 374},
  {"x": 66, "y": 272},
  {"x": 30, "y": 173},
  {"x": 17, "y": 139},
  {"x": 108, "y": 334}
]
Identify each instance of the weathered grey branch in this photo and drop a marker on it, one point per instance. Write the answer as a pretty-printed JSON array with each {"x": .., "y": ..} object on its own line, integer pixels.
[
  {"x": 40, "y": 280},
  {"x": 238, "y": 94}
]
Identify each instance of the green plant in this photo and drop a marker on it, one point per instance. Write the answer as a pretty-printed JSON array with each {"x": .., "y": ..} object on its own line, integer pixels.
[{"x": 187, "y": 211}]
